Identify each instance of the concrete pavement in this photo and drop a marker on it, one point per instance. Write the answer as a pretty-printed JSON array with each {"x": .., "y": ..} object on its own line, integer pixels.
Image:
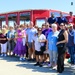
[{"x": 12, "y": 66}]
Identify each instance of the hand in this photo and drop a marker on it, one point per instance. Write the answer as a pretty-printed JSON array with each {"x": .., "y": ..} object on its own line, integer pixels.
[
  {"x": 9, "y": 39},
  {"x": 39, "y": 40},
  {"x": 57, "y": 43},
  {"x": 4, "y": 39}
]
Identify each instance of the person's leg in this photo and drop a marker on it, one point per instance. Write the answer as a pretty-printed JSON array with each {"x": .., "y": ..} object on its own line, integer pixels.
[
  {"x": 2, "y": 49},
  {"x": 5, "y": 49},
  {"x": 51, "y": 57},
  {"x": 55, "y": 58},
  {"x": 41, "y": 60},
  {"x": 12, "y": 46},
  {"x": 33, "y": 52},
  {"x": 30, "y": 50},
  {"x": 72, "y": 54},
  {"x": 9, "y": 47},
  {"x": 60, "y": 60},
  {"x": 26, "y": 51},
  {"x": 45, "y": 57},
  {"x": 37, "y": 60}
]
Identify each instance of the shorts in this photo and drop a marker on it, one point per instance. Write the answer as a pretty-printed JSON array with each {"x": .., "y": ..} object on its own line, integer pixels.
[
  {"x": 38, "y": 52},
  {"x": 29, "y": 44}
]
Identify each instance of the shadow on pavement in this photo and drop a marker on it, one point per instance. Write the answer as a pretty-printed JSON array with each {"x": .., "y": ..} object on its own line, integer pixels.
[
  {"x": 67, "y": 71},
  {"x": 30, "y": 65}
]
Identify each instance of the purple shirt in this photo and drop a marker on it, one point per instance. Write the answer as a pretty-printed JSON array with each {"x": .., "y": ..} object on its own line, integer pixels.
[{"x": 46, "y": 31}]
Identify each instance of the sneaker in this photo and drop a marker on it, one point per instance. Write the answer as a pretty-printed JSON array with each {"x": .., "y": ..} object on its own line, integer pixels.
[
  {"x": 73, "y": 67},
  {"x": 1, "y": 55},
  {"x": 33, "y": 59},
  {"x": 29, "y": 59},
  {"x": 5, "y": 55},
  {"x": 37, "y": 64},
  {"x": 40, "y": 65},
  {"x": 23, "y": 58},
  {"x": 49, "y": 65},
  {"x": 20, "y": 59},
  {"x": 54, "y": 68}
]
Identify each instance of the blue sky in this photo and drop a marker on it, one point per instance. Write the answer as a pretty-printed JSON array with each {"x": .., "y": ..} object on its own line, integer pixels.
[{"x": 13, "y": 5}]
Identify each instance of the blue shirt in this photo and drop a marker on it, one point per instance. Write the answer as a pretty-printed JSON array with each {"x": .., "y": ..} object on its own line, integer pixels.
[
  {"x": 62, "y": 20},
  {"x": 30, "y": 33},
  {"x": 52, "y": 40},
  {"x": 52, "y": 20},
  {"x": 71, "y": 38}
]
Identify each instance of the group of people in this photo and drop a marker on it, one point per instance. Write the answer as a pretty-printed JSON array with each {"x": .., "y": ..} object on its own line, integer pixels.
[{"x": 38, "y": 44}]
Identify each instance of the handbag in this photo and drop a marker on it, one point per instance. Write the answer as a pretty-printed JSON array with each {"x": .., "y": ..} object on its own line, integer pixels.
[{"x": 43, "y": 48}]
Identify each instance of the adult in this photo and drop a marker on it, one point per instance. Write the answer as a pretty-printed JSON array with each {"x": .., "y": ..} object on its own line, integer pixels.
[
  {"x": 71, "y": 18},
  {"x": 30, "y": 34},
  {"x": 70, "y": 43},
  {"x": 20, "y": 45},
  {"x": 51, "y": 43},
  {"x": 61, "y": 46},
  {"x": 61, "y": 19},
  {"x": 52, "y": 19},
  {"x": 3, "y": 41},
  {"x": 46, "y": 30}
]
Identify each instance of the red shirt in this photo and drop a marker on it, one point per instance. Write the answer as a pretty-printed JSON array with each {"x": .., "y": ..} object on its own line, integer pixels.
[{"x": 71, "y": 19}]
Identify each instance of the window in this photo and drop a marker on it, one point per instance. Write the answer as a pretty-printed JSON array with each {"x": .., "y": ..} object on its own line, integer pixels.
[
  {"x": 11, "y": 23},
  {"x": 39, "y": 22}
]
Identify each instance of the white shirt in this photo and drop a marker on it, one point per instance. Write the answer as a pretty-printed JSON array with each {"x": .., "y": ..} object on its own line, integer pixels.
[{"x": 37, "y": 43}]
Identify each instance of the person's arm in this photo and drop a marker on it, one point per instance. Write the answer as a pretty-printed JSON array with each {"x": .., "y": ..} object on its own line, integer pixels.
[
  {"x": 74, "y": 37},
  {"x": 44, "y": 39},
  {"x": 66, "y": 38}
]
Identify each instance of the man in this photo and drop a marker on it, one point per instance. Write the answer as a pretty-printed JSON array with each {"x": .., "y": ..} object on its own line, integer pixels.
[
  {"x": 30, "y": 33},
  {"x": 61, "y": 19},
  {"x": 71, "y": 18},
  {"x": 46, "y": 32},
  {"x": 52, "y": 19}
]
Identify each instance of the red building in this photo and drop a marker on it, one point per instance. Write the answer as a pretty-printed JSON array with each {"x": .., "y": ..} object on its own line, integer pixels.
[{"x": 27, "y": 15}]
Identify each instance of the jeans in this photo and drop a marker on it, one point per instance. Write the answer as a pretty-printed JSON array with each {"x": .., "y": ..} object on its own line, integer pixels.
[
  {"x": 72, "y": 52},
  {"x": 53, "y": 56}
]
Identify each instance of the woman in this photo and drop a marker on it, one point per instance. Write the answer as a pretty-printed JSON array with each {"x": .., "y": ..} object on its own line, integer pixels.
[
  {"x": 20, "y": 45},
  {"x": 3, "y": 41},
  {"x": 61, "y": 45},
  {"x": 39, "y": 42},
  {"x": 51, "y": 43}
]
